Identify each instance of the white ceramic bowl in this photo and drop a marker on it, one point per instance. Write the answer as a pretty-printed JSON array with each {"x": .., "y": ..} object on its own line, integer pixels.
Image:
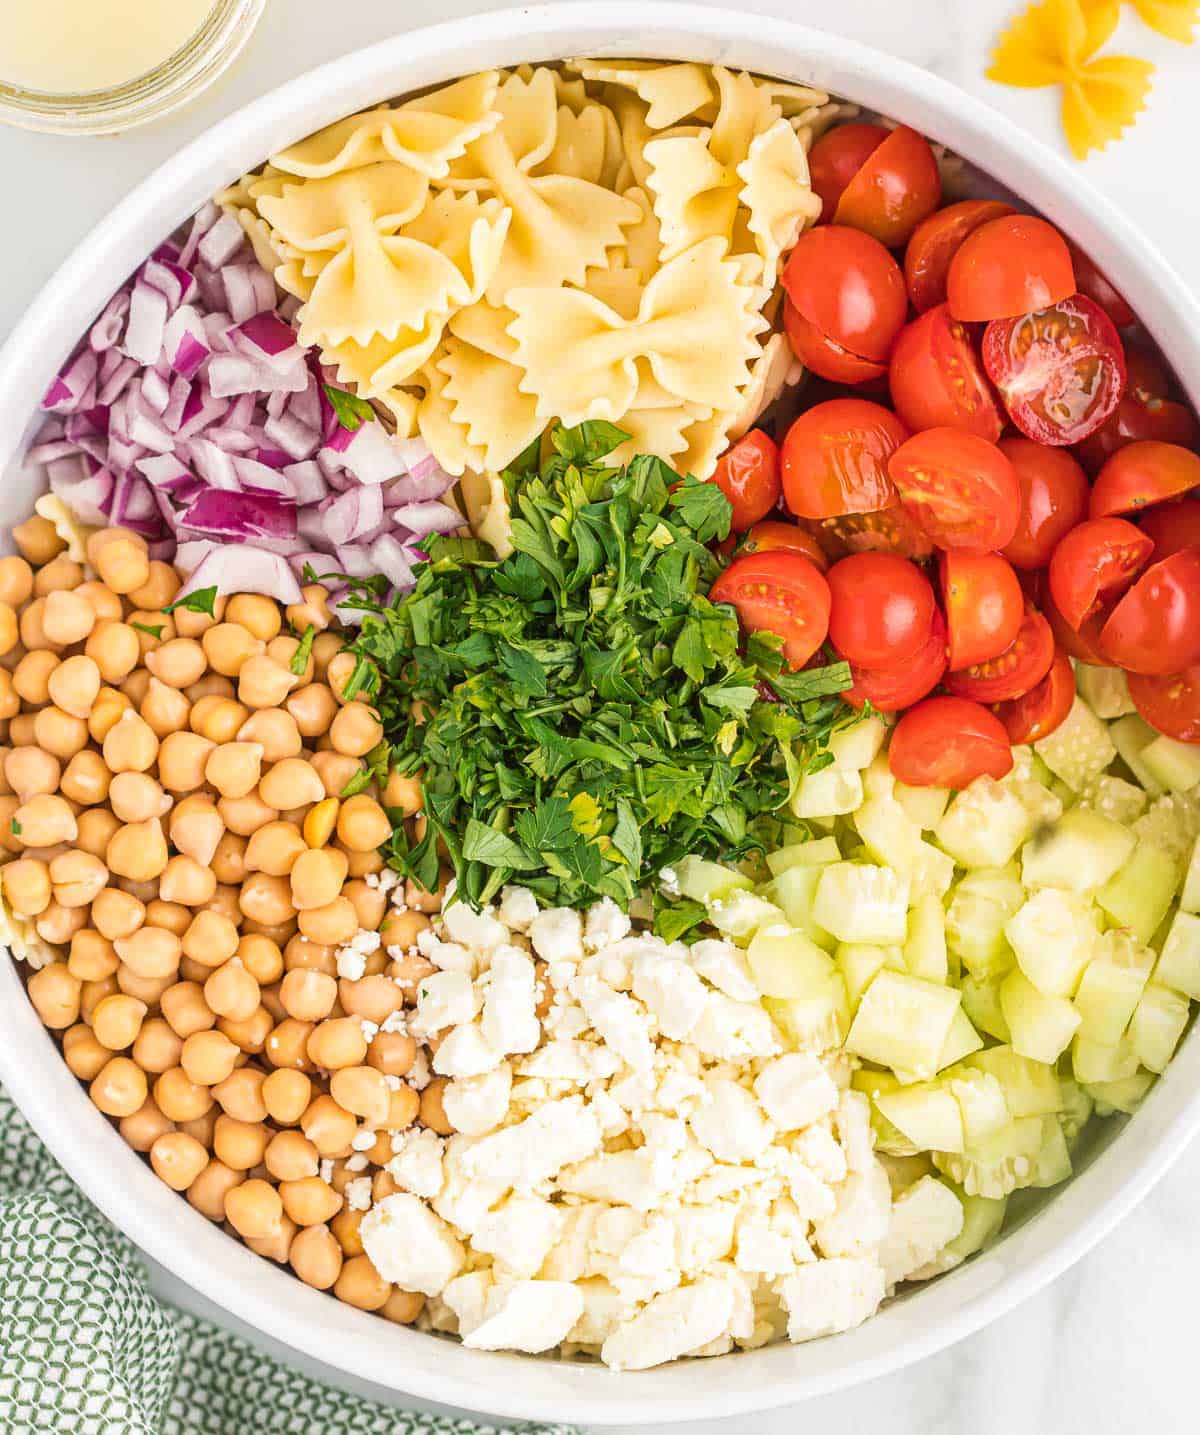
[{"x": 1128, "y": 1158}]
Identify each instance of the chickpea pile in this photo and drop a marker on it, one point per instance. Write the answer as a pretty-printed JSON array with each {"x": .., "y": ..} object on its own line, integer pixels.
[{"x": 172, "y": 827}]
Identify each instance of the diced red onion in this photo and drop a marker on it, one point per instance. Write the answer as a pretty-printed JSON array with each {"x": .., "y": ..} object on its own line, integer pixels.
[
  {"x": 388, "y": 557},
  {"x": 108, "y": 328},
  {"x": 146, "y": 324},
  {"x": 421, "y": 519},
  {"x": 220, "y": 243},
  {"x": 241, "y": 516},
  {"x": 269, "y": 333}
]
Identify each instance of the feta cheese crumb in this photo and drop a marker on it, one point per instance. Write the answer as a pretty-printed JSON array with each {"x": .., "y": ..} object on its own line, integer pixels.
[
  {"x": 731, "y": 1124},
  {"x": 444, "y": 999},
  {"x": 358, "y": 1194},
  {"x": 417, "y": 1162},
  {"x": 530, "y": 1316},
  {"x": 605, "y": 924},
  {"x": 466, "y": 1052},
  {"x": 510, "y": 1021},
  {"x": 557, "y": 935},
  {"x": 476, "y": 1105},
  {"x": 618, "y": 1020},
  {"x": 925, "y": 1219},
  {"x": 670, "y": 1325},
  {"x": 830, "y": 1296},
  {"x": 795, "y": 1090},
  {"x": 518, "y": 908},
  {"x": 411, "y": 1246}
]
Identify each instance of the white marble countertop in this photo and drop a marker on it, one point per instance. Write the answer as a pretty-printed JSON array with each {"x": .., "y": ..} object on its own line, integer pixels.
[{"x": 1109, "y": 1349}]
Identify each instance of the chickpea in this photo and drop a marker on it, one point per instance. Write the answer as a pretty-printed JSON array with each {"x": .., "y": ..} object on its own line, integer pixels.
[
  {"x": 211, "y": 685},
  {"x": 114, "y": 648},
  {"x": 316, "y": 877},
  {"x": 27, "y": 886},
  {"x": 254, "y": 1209},
  {"x": 86, "y": 779},
  {"x": 61, "y": 574},
  {"x": 361, "y": 1285},
  {"x": 266, "y": 899},
  {"x": 291, "y": 783},
  {"x": 283, "y": 650},
  {"x": 312, "y": 708},
  {"x": 362, "y": 824},
  {"x": 275, "y": 731},
  {"x": 315, "y": 1256},
  {"x": 307, "y": 995},
  {"x": 337, "y": 1042},
  {"x": 122, "y": 561},
  {"x": 240, "y": 1093},
  {"x": 177, "y": 1159},
  {"x": 286, "y": 1046},
  {"x": 277, "y": 1245},
  {"x": 151, "y": 952},
  {"x": 186, "y": 883},
  {"x": 313, "y": 612},
  {"x": 339, "y": 672},
  {"x": 130, "y": 744},
  {"x": 208, "y": 1191},
  {"x": 55, "y": 994},
  {"x": 225, "y": 903},
  {"x": 182, "y": 760},
  {"x": 10, "y": 635},
  {"x": 331, "y": 925},
  {"x": 335, "y": 770},
  {"x": 22, "y": 729},
  {"x": 106, "y": 604},
  {"x": 78, "y": 878},
  {"x": 363, "y": 1091},
  {"x": 10, "y": 841},
  {"x": 232, "y": 992},
  {"x": 402, "y": 1307},
  {"x": 405, "y": 792},
  {"x": 157, "y": 1048},
  {"x": 259, "y": 615},
  {"x": 264, "y": 683},
  {"x": 97, "y": 827},
  {"x": 218, "y": 718},
  {"x": 240, "y": 1144},
  {"x": 261, "y": 957},
  {"x": 136, "y": 686},
  {"x": 196, "y": 828},
  {"x": 116, "y": 914},
  {"x": 138, "y": 850},
  {"x": 356, "y": 730},
  {"x": 286, "y": 1095},
  {"x": 228, "y": 864},
  {"x": 119, "y": 1089},
  {"x": 91, "y": 994},
  {"x": 110, "y": 707},
  {"x": 171, "y": 916},
  {"x": 250, "y": 1036},
  {"x": 185, "y": 1009},
  {"x": 180, "y": 1098},
  {"x": 67, "y": 618},
  {"x": 373, "y": 996},
  {"x": 419, "y": 900},
  {"x": 165, "y": 709},
  {"x": 16, "y": 580},
  {"x": 58, "y": 732},
  {"x": 146, "y": 989},
  {"x": 320, "y": 822},
  {"x": 137, "y": 797},
  {"x": 74, "y": 685},
  {"x": 117, "y": 1021},
  {"x": 144, "y": 1127},
  {"x": 159, "y": 590},
  {"x": 44, "y": 821},
  {"x": 211, "y": 938},
  {"x": 309, "y": 1201},
  {"x": 32, "y": 632},
  {"x": 274, "y": 848},
  {"x": 370, "y": 904},
  {"x": 290, "y": 1156},
  {"x": 432, "y": 1111},
  {"x": 245, "y": 815},
  {"x": 208, "y": 1057},
  {"x": 312, "y": 956},
  {"x": 404, "y": 1106},
  {"x": 228, "y": 645},
  {"x": 392, "y": 1053},
  {"x": 82, "y": 1052},
  {"x": 152, "y": 628},
  {"x": 178, "y": 663}
]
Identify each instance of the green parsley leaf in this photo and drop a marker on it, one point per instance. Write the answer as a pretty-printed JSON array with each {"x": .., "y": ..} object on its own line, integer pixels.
[
  {"x": 811, "y": 683},
  {"x": 548, "y": 828},
  {"x": 589, "y": 442},
  {"x": 203, "y": 600},
  {"x": 626, "y": 838},
  {"x": 484, "y": 844},
  {"x": 674, "y": 920},
  {"x": 15, "y": 827},
  {"x": 704, "y": 508},
  {"x": 302, "y": 654},
  {"x": 349, "y": 410},
  {"x": 155, "y": 631}
]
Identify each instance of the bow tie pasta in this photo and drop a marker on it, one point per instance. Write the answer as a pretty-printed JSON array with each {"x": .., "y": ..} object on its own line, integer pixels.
[{"x": 549, "y": 244}]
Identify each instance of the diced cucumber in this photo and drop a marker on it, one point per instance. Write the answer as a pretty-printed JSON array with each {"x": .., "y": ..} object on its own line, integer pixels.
[
  {"x": 705, "y": 881},
  {"x": 877, "y": 779},
  {"x": 904, "y": 1172},
  {"x": 856, "y": 746},
  {"x": 804, "y": 854},
  {"x": 1190, "y": 900},
  {"x": 1175, "y": 764},
  {"x": 980, "y": 1099},
  {"x": 862, "y": 903},
  {"x": 1054, "y": 938},
  {"x": 1053, "y": 1164},
  {"x": 1159, "y": 1020},
  {"x": 961, "y": 1040},
  {"x": 1105, "y": 690},
  {"x": 1111, "y": 987},
  {"x": 924, "y": 805},
  {"x": 1172, "y": 823},
  {"x": 786, "y": 964},
  {"x": 1092, "y": 1062},
  {"x": 926, "y": 1115},
  {"x": 1079, "y": 853},
  {"x": 1076, "y": 1108},
  {"x": 1030, "y": 1087},
  {"x": 984, "y": 825},
  {"x": 983, "y": 1216},
  {"x": 1041, "y": 1025},
  {"x": 742, "y": 913},
  {"x": 1179, "y": 965},
  {"x": 859, "y": 964},
  {"x": 933, "y": 872},
  {"x": 1079, "y": 748},
  {"x": 1131, "y": 736},
  {"x": 1125, "y": 1095},
  {"x": 889, "y": 1139},
  {"x": 981, "y": 1002},
  {"x": 1114, "y": 797},
  {"x": 903, "y": 1023},
  {"x": 981, "y": 905},
  {"x": 925, "y": 950},
  {"x": 997, "y": 1176},
  {"x": 816, "y": 1023},
  {"x": 888, "y": 833},
  {"x": 795, "y": 891},
  {"x": 827, "y": 793}
]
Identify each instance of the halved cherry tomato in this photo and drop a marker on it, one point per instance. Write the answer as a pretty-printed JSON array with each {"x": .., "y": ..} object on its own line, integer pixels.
[
  {"x": 883, "y": 609},
  {"x": 948, "y": 742},
  {"x": 1043, "y": 708},
  {"x": 1142, "y": 474},
  {"x": 775, "y": 536},
  {"x": 1094, "y": 563},
  {"x": 779, "y": 593},
  {"x": 1008, "y": 267},
  {"x": 1022, "y": 665},
  {"x": 1172, "y": 526},
  {"x": 888, "y": 530},
  {"x": 748, "y": 475},
  {"x": 896, "y": 187},
  {"x": 1060, "y": 372},
  {"x": 1155, "y": 628},
  {"x": 835, "y": 459},
  {"x": 818, "y": 352},
  {"x": 936, "y": 241},
  {"x": 837, "y": 157},
  {"x": 896, "y": 687},
  {"x": 983, "y": 602},
  {"x": 1090, "y": 281},
  {"x": 1054, "y": 498},
  {"x": 1082, "y": 643},
  {"x": 937, "y": 380},
  {"x": 1146, "y": 411},
  {"x": 1170, "y": 704},
  {"x": 848, "y": 286},
  {"x": 959, "y": 488}
]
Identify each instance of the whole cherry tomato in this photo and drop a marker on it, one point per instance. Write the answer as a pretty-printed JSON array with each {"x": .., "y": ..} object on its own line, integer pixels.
[
  {"x": 748, "y": 475},
  {"x": 935, "y": 242},
  {"x": 849, "y": 287},
  {"x": 1147, "y": 411},
  {"x": 837, "y": 157},
  {"x": 818, "y": 352},
  {"x": 1172, "y": 526},
  {"x": 896, "y": 187},
  {"x": 984, "y": 605},
  {"x": 1043, "y": 708},
  {"x": 1060, "y": 371},
  {"x": 775, "y": 536},
  {"x": 948, "y": 742},
  {"x": 835, "y": 459},
  {"x": 1155, "y": 627},
  {"x": 1170, "y": 704},
  {"x": 779, "y": 593},
  {"x": 959, "y": 488},
  {"x": 1094, "y": 563},
  {"x": 1022, "y": 665},
  {"x": 1090, "y": 281},
  {"x": 887, "y": 530},
  {"x": 1054, "y": 498},
  {"x": 1009, "y": 267},
  {"x": 937, "y": 380},
  {"x": 1142, "y": 474},
  {"x": 882, "y": 609},
  {"x": 894, "y": 688}
]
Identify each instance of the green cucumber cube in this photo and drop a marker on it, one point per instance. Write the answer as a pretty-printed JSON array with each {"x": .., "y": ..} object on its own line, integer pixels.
[
  {"x": 827, "y": 793},
  {"x": 857, "y": 745},
  {"x": 925, "y": 951},
  {"x": 742, "y": 913},
  {"x": 1190, "y": 900},
  {"x": 1079, "y": 853},
  {"x": 1093, "y": 1061},
  {"x": 1172, "y": 823},
  {"x": 1030, "y": 1087},
  {"x": 859, "y": 964},
  {"x": 984, "y": 825},
  {"x": 1139, "y": 895},
  {"x": 926, "y": 1115},
  {"x": 1179, "y": 965},
  {"x": 1125, "y": 1094},
  {"x": 1041, "y": 1024},
  {"x": 804, "y": 854},
  {"x": 786, "y": 964},
  {"x": 877, "y": 779},
  {"x": 1053, "y": 1164},
  {"x": 858, "y": 902},
  {"x": 982, "y": 904},
  {"x": 925, "y": 805},
  {"x": 961, "y": 1040},
  {"x": 815, "y": 1023},
  {"x": 983, "y": 1216},
  {"x": 1105, "y": 690},
  {"x": 1111, "y": 987},
  {"x": 888, "y": 833},
  {"x": 933, "y": 872},
  {"x": 903, "y": 1023},
  {"x": 1131, "y": 736},
  {"x": 795, "y": 891},
  {"x": 1175, "y": 764},
  {"x": 705, "y": 881},
  {"x": 1054, "y": 938},
  {"x": 1079, "y": 748},
  {"x": 981, "y": 1002},
  {"x": 1115, "y": 798},
  {"x": 1159, "y": 1021}
]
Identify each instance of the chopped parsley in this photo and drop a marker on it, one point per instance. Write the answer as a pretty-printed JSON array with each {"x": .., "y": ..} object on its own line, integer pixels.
[
  {"x": 203, "y": 600},
  {"x": 15, "y": 827},
  {"x": 350, "y": 411},
  {"x": 154, "y": 631},
  {"x": 303, "y": 652}
]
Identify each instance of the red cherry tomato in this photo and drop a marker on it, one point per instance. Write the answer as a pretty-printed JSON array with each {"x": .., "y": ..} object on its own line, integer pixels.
[
  {"x": 775, "y": 536},
  {"x": 935, "y": 243},
  {"x": 837, "y": 157},
  {"x": 1022, "y": 665},
  {"x": 1155, "y": 628},
  {"x": 1142, "y": 474},
  {"x": 1172, "y": 526},
  {"x": 835, "y": 459},
  {"x": 848, "y": 286},
  {"x": 896, "y": 187},
  {"x": 818, "y": 352},
  {"x": 883, "y": 609},
  {"x": 1094, "y": 563},
  {"x": 1082, "y": 643},
  {"x": 937, "y": 380},
  {"x": 1054, "y": 498},
  {"x": 1090, "y": 281},
  {"x": 1170, "y": 704},
  {"x": 888, "y": 530},
  {"x": 1146, "y": 411},
  {"x": 1043, "y": 708},
  {"x": 948, "y": 742},
  {"x": 779, "y": 593},
  {"x": 959, "y": 488},
  {"x": 984, "y": 604},
  {"x": 893, "y": 688},
  {"x": 1060, "y": 372},
  {"x": 748, "y": 475},
  {"x": 1008, "y": 267}
]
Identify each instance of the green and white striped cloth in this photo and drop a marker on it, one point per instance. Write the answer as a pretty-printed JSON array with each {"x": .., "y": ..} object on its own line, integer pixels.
[{"x": 85, "y": 1349}]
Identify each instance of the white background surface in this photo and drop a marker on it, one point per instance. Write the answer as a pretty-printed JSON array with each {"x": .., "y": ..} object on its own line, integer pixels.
[{"x": 1110, "y": 1349}]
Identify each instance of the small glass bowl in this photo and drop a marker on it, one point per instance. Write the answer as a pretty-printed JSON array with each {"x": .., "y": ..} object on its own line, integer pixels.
[{"x": 161, "y": 91}]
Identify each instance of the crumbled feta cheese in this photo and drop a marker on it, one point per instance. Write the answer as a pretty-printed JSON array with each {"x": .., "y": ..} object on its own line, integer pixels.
[
  {"x": 411, "y": 1246},
  {"x": 478, "y": 931},
  {"x": 518, "y": 908},
  {"x": 444, "y": 999},
  {"x": 476, "y": 1105},
  {"x": 351, "y": 964},
  {"x": 567, "y": 1059},
  {"x": 510, "y": 1021},
  {"x": 733, "y": 1030},
  {"x": 466, "y": 1052},
  {"x": 725, "y": 967},
  {"x": 530, "y": 1316},
  {"x": 358, "y": 1194},
  {"x": 672, "y": 992},
  {"x": 925, "y": 1219},
  {"x": 670, "y": 1325},
  {"x": 362, "y": 1140},
  {"x": 357, "y": 1162},
  {"x": 862, "y": 1217},
  {"x": 605, "y": 924},
  {"x": 731, "y": 1124},
  {"x": 795, "y": 1090},
  {"x": 519, "y": 1234},
  {"x": 830, "y": 1296},
  {"x": 326, "y": 1169},
  {"x": 417, "y": 1163},
  {"x": 419, "y": 1074},
  {"x": 557, "y": 935},
  {"x": 619, "y": 1020},
  {"x": 522, "y": 1156}
]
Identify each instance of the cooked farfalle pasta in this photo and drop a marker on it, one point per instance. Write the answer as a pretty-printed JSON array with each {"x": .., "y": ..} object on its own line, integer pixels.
[
  {"x": 549, "y": 243},
  {"x": 1176, "y": 19}
]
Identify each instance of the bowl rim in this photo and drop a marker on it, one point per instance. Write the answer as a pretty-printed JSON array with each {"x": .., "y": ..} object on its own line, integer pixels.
[{"x": 402, "y": 1361}]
